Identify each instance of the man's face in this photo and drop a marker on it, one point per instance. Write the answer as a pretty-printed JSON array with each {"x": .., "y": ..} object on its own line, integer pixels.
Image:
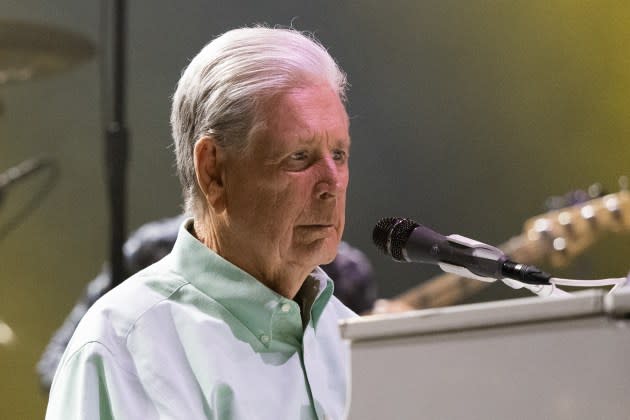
[{"x": 286, "y": 193}]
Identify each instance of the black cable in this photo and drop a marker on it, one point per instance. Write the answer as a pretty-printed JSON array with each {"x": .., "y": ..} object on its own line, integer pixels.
[{"x": 34, "y": 202}]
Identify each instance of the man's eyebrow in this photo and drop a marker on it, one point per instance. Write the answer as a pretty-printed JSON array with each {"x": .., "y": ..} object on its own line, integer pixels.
[
  {"x": 308, "y": 139},
  {"x": 345, "y": 142}
]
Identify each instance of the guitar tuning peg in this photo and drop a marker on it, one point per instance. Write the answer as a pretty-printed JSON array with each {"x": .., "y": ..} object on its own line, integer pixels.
[
  {"x": 623, "y": 183},
  {"x": 596, "y": 190},
  {"x": 555, "y": 202},
  {"x": 577, "y": 197},
  {"x": 571, "y": 198}
]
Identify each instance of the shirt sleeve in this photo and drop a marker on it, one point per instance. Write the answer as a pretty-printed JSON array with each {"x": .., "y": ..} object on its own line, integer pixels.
[
  {"x": 54, "y": 350},
  {"x": 92, "y": 384}
]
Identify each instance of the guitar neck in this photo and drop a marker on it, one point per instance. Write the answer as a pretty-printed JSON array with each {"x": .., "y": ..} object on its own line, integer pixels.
[
  {"x": 577, "y": 226},
  {"x": 448, "y": 289}
]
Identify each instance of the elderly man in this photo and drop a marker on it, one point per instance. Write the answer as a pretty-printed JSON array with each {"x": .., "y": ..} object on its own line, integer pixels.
[{"x": 237, "y": 321}]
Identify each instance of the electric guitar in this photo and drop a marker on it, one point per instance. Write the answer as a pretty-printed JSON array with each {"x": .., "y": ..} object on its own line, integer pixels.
[{"x": 554, "y": 238}]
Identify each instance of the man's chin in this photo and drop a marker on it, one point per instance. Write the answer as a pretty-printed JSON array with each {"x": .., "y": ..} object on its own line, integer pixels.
[
  {"x": 328, "y": 250},
  {"x": 321, "y": 251},
  {"x": 328, "y": 260}
]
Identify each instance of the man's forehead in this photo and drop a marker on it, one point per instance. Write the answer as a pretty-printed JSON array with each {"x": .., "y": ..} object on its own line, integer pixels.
[{"x": 304, "y": 124}]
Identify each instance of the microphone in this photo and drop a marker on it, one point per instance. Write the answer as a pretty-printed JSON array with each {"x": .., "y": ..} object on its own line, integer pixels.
[{"x": 407, "y": 241}]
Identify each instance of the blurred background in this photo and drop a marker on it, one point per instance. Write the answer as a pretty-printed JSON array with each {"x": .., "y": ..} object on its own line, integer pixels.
[{"x": 466, "y": 116}]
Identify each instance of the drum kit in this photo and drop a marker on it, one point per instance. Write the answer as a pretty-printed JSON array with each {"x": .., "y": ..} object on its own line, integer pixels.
[{"x": 33, "y": 50}]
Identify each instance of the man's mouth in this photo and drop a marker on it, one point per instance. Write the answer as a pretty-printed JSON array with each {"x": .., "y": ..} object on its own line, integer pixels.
[{"x": 317, "y": 226}]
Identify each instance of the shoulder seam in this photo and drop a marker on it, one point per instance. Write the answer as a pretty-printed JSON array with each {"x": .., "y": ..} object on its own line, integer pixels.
[
  {"x": 135, "y": 321},
  {"x": 77, "y": 351}
]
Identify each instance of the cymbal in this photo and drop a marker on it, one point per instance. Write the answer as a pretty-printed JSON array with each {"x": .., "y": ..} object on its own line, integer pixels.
[{"x": 29, "y": 50}]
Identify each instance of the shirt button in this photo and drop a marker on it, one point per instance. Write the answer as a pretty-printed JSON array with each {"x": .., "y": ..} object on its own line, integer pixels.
[
  {"x": 286, "y": 307},
  {"x": 264, "y": 338}
]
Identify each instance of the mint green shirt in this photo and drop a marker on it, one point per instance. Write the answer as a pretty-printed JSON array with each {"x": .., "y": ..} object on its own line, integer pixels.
[{"x": 195, "y": 337}]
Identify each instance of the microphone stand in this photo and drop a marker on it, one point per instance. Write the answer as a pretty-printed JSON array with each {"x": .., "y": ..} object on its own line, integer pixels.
[{"x": 116, "y": 143}]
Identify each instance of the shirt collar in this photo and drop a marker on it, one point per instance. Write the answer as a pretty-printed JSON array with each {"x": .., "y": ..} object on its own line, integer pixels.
[{"x": 271, "y": 317}]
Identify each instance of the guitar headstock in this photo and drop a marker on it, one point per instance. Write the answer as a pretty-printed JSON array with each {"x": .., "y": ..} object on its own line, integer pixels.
[{"x": 567, "y": 232}]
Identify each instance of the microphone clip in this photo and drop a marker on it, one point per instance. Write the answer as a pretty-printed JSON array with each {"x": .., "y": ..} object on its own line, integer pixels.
[
  {"x": 483, "y": 262},
  {"x": 490, "y": 264}
]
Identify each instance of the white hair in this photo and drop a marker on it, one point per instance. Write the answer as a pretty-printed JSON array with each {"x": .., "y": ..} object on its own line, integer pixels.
[{"x": 221, "y": 92}]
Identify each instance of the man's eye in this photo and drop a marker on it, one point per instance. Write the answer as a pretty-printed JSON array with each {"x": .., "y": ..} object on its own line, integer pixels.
[
  {"x": 298, "y": 161},
  {"x": 340, "y": 155},
  {"x": 299, "y": 156}
]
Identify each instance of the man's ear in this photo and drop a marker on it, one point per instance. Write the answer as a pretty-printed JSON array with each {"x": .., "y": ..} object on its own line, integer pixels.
[{"x": 209, "y": 159}]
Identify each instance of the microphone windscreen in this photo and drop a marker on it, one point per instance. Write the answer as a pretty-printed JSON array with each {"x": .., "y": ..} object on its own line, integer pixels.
[{"x": 391, "y": 234}]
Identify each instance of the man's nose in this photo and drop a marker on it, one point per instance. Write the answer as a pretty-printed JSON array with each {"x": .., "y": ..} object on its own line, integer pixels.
[{"x": 329, "y": 180}]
